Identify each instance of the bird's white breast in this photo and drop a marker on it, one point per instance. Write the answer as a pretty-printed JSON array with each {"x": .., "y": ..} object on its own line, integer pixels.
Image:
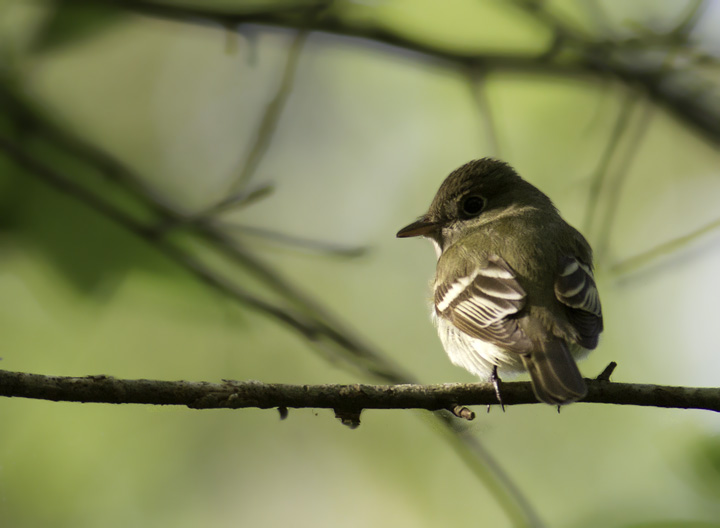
[{"x": 474, "y": 355}]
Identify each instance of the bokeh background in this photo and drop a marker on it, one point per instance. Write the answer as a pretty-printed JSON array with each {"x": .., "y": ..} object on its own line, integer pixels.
[{"x": 281, "y": 145}]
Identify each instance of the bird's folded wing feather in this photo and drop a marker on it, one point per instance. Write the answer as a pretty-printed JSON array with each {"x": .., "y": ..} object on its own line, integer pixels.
[
  {"x": 575, "y": 288},
  {"x": 482, "y": 302}
]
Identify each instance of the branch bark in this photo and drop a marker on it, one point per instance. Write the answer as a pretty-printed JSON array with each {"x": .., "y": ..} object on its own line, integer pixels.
[{"x": 246, "y": 394}]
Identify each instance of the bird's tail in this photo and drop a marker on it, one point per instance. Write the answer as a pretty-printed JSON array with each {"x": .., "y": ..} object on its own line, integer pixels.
[{"x": 555, "y": 377}]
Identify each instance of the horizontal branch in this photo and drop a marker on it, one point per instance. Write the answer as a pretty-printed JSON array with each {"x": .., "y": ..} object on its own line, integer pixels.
[{"x": 237, "y": 395}]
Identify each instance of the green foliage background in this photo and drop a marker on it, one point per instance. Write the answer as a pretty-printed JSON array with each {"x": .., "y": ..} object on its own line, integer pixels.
[{"x": 366, "y": 136}]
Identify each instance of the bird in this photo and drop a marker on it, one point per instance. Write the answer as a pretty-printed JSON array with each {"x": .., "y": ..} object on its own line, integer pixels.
[{"x": 514, "y": 289}]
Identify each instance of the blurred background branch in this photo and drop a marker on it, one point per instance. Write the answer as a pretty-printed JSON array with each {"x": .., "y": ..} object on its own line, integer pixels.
[{"x": 573, "y": 52}]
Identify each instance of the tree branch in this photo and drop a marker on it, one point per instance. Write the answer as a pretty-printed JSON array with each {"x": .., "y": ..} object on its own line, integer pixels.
[
  {"x": 271, "y": 117},
  {"x": 239, "y": 395},
  {"x": 618, "y": 180},
  {"x": 672, "y": 246},
  {"x": 597, "y": 183},
  {"x": 587, "y": 55}
]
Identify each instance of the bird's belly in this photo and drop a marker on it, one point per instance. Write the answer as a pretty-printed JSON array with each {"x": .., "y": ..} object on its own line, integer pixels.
[{"x": 475, "y": 355}]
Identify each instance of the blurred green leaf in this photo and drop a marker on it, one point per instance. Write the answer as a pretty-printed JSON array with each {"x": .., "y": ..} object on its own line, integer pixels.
[
  {"x": 72, "y": 22},
  {"x": 90, "y": 251},
  {"x": 706, "y": 464}
]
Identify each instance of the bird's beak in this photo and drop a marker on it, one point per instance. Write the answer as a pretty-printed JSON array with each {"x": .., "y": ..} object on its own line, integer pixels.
[{"x": 422, "y": 227}]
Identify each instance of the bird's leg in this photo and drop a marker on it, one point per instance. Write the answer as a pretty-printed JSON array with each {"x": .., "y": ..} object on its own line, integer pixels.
[{"x": 495, "y": 380}]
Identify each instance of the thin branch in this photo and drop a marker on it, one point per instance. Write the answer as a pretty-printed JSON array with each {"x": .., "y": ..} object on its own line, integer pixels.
[
  {"x": 672, "y": 246},
  {"x": 596, "y": 185},
  {"x": 537, "y": 9},
  {"x": 477, "y": 81},
  {"x": 348, "y": 398},
  {"x": 620, "y": 176},
  {"x": 318, "y": 246},
  {"x": 607, "y": 372},
  {"x": 598, "y": 16},
  {"x": 688, "y": 21},
  {"x": 606, "y": 58},
  {"x": 511, "y": 498},
  {"x": 234, "y": 201},
  {"x": 239, "y": 200},
  {"x": 271, "y": 117}
]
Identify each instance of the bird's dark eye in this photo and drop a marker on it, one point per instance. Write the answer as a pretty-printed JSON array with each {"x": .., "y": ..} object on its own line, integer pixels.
[{"x": 472, "y": 206}]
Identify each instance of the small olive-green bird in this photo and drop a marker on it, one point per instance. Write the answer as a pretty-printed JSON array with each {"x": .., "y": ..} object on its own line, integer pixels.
[{"x": 514, "y": 287}]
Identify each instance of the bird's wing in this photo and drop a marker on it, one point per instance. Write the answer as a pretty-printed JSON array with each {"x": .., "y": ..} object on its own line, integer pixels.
[
  {"x": 481, "y": 303},
  {"x": 575, "y": 288}
]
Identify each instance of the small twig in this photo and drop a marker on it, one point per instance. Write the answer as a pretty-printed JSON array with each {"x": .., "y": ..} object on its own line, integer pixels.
[
  {"x": 539, "y": 11},
  {"x": 477, "y": 80},
  {"x": 620, "y": 175},
  {"x": 241, "y": 199},
  {"x": 670, "y": 247},
  {"x": 607, "y": 372},
  {"x": 596, "y": 185},
  {"x": 688, "y": 22},
  {"x": 232, "y": 40},
  {"x": 598, "y": 16},
  {"x": 236, "y": 201},
  {"x": 268, "y": 124},
  {"x": 319, "y": 246},
  {"x": 512, "y": 499}
]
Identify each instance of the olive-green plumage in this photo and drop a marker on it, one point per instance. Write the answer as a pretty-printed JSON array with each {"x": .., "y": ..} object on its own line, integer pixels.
[{"x": 514, "y": 287}]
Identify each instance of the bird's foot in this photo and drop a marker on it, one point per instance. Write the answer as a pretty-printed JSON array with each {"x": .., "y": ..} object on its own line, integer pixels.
[{"x": 495, "y": 380}]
